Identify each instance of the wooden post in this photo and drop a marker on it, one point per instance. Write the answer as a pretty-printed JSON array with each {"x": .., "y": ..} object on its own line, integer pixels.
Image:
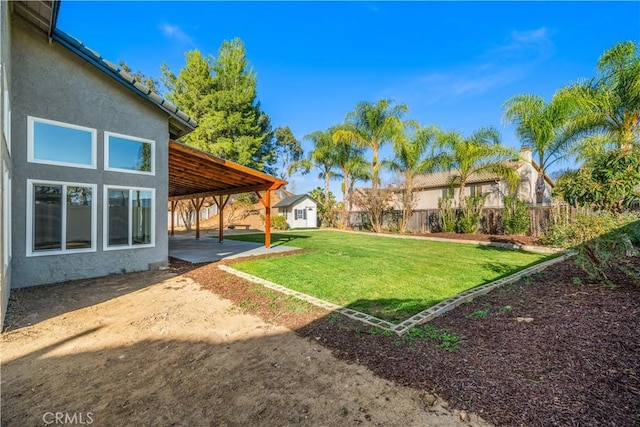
[
  {"x": 266, "y": 202},
  {"x": 174, "y": 203},
  {"x": 197, "y": 204},
  {"x": 221, "y": 204}
]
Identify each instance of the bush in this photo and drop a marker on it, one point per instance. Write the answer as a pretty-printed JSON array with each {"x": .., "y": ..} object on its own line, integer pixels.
[
  {"x": 278, "y": 222},
  {"x": 601, "y": 241},
  {"x": 584, "y": 227},
  {"x": 470, "y": 214},
  {"x": 447, "y": 215},
  {"x": 515, "y": 215}
]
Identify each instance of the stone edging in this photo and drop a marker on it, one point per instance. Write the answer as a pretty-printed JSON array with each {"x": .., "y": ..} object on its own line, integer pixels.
[{"x": 415, "y": 320}]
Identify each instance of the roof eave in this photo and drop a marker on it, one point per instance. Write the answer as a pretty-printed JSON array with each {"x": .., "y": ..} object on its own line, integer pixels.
[{"x": 179, "y": 123}]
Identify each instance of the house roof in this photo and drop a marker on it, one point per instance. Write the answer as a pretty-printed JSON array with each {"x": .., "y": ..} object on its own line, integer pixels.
[
  {"x": 290, "y": 201},
  {"x": 443, "y": 179},
  {"x": 180, "y": 123},
  {"x": 194, "y": 173},
  {"x": 43, "y": 15}
]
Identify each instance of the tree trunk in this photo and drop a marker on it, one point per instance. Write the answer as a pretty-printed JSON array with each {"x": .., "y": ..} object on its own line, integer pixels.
[{"x": 540, "y": 187}]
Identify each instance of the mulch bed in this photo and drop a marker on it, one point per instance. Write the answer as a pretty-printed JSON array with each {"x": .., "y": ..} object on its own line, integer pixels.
[{"x": 575, "y": 361}]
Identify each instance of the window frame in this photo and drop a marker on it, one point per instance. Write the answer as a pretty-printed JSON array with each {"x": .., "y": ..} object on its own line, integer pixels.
[
  {"x": 7, "y": 109},
  {"x": 63, "y": 238},
  {"x": 108, "y": 134},
  {"x": 6, "y": 216},
  {"x": 31, "y": 121},
  {"x": 447, "y": 193},
  {"x": 105, "y": 218}
]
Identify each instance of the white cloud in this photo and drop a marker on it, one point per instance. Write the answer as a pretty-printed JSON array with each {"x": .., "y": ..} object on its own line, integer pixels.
[
  {"x": 497, "y": 67},
  {"x": 175, "y": 32}
]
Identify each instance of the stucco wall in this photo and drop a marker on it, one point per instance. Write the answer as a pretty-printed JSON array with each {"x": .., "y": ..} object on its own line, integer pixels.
[
  {"x": 51, "y": 82},
  {"x": 5, "y": 159}
]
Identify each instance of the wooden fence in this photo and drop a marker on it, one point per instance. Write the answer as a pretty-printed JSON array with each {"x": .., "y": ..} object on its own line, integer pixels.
[{"x": 428, "y": 220}]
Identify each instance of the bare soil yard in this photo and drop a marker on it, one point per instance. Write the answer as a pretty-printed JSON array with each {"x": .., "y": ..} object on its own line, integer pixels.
[{"x": 155, "y": 348}]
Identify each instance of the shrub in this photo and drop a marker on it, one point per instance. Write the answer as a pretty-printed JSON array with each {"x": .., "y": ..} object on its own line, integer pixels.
[
  {"x": 447, "y": 215},
  {"x": 515, "y": 215},
  {"x": 470, "y": 214},
  {"x": 278, "y": 222},
  {"x": 601, "y": 240}
]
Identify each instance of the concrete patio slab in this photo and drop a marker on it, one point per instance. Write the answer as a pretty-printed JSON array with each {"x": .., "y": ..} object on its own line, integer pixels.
[{"x": 208, "y": 249}]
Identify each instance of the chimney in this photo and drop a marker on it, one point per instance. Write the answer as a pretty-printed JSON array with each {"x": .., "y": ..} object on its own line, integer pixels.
[{"x": 526, "y": 154}]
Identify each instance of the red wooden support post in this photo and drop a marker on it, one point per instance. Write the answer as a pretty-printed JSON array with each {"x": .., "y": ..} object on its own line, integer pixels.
[
  {"x": 267, "y": 220},
  {"x": 266, "y": 202},
  {"x": 221, "y": 204},
  {"x": 197, "y": 204}
]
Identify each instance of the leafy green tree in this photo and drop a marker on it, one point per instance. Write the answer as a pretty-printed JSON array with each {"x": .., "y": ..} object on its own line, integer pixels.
[
  {"x": 221, "y": 95},
  {"x": 541, "y": 126},
  {"x": 289, "y": 151},
  {"x": 414, "y": 154},
  {"x": 479, "y": 153},
  {"x": 372, "y": 126},
  {"x": 610, "y": 102},
  {"x": 610, "y": 181},
  {"x": 148, "y": 81},
  {"x": 328, "y": 208}
]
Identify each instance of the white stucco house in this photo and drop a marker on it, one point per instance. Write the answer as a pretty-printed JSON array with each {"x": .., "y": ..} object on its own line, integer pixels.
[
  {"x": 300, "y": 211},
  {"x": 430, "y": 187}
]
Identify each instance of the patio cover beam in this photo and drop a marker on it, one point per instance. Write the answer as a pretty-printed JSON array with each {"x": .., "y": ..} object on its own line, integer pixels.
[{"x": 194, "y": 175}]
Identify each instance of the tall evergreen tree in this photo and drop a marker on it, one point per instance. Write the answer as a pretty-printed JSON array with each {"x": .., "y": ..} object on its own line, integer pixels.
[{"x": 221, "y": 95}]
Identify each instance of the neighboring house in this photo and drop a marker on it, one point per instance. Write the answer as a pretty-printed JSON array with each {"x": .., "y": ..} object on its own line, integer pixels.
[
  {"x": 300, "y": 211},
  {"x": 84, "y": 157},
  {"x": 429, "y": 188}
]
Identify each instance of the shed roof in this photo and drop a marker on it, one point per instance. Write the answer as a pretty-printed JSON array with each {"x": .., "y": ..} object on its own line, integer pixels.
[
  {"x": 194, "y": 173},
  {"x": 290, "y": 201}
]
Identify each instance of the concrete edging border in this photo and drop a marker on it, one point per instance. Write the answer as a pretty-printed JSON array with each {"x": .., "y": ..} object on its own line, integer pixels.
[{"x": 415, "y": 320}]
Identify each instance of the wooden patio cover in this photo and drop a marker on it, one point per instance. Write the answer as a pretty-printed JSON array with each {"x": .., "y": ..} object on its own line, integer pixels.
[{"x": 195, "y": 175}]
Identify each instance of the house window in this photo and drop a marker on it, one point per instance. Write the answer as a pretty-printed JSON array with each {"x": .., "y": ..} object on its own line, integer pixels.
[
  {"x": 475, "y": 190},
  {"x": 129, "y": 154},
  {"x": 62, "y": 217},
  {"x": 61, "y": 144},
  {"x": 300, "y": 214},
  {"x": 129, "y": 217},
  {"x": 447, "y": 193}
]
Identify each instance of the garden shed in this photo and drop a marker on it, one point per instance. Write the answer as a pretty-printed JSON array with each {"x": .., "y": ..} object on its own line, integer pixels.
[{"x": 300, "y": 211}]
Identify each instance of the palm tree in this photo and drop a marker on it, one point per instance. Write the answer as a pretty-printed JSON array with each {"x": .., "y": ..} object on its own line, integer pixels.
[
  {"x": 353, "y": 167},
  {"x": 542, "y": 127},
  {"x": 372, "y": 126},
  {"x": 481, "y": 152},
  {"x": 414, "y": 154},
  {"x": 322, "y": 157},
  {"x": 610, "y": 103}
]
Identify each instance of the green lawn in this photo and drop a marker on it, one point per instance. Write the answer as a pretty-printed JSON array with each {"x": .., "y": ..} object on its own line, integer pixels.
[{"x": 385, "y": 277}]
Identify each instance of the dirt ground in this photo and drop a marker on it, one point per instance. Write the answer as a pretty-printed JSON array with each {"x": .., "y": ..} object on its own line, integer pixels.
[{"x": 155, "y": 348}]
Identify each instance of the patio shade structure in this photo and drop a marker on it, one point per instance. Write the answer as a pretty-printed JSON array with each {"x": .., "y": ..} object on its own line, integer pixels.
[{"x": 195, "y": 175}]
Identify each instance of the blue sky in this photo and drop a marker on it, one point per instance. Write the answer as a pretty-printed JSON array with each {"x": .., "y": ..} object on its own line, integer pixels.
[{"x": 453, "y": 63}]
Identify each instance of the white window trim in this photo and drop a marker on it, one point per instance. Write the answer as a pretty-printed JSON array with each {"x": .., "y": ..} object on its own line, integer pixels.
[
  {"x": 7, "y": 108},
  {"x": 105, "y": 218},
  {"x": 63, "y": 237},
  {"x": 133, "y": 138},
  {"x": 6, "y": 216},
  {"x": 30, "y": 152}
]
